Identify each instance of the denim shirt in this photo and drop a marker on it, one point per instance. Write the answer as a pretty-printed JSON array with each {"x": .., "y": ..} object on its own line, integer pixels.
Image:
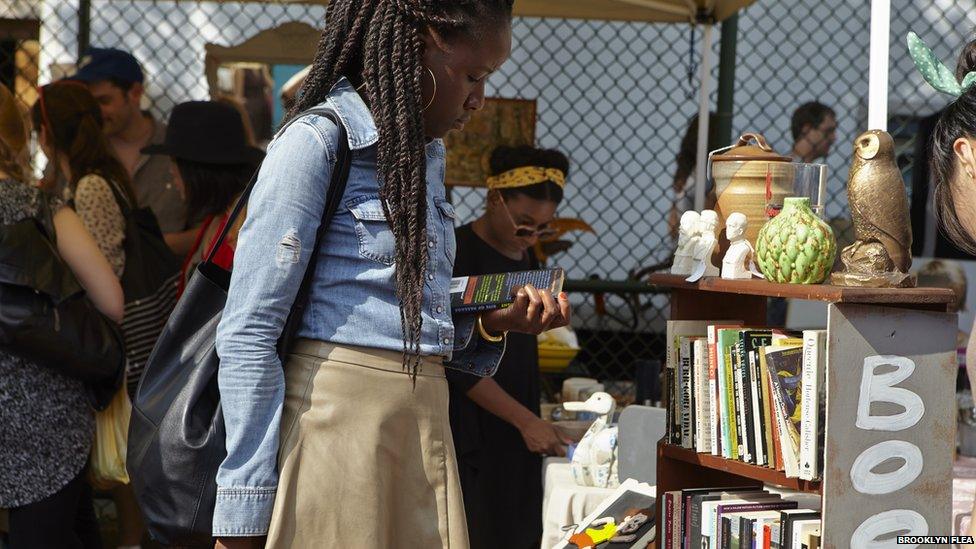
[{"x": 351, "y": 301}]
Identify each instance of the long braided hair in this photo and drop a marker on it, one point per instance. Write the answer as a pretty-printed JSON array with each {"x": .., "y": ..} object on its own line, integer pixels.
[{"x": 378, "y": 45}]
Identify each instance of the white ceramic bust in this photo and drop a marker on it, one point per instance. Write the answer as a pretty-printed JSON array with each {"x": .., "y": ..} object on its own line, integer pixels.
[
  {"x": 738, "y": 259},
  {"x": 707, "y": 223},
  {"x": 684, "y": 261}
]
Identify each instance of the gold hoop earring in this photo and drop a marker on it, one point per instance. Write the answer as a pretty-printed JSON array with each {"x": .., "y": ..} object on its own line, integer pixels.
[{"x": 433, "y": 93}]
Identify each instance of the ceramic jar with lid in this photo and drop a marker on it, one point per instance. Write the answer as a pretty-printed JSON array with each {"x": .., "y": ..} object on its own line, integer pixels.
[{"x": 753, "y": 179}]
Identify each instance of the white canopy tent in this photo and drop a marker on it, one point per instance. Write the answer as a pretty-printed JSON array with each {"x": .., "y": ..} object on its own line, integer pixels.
[
  {"x": 879, "y": 60},
  {"x": 703, "y": 12},
  {"x": 648, "y": 11}
]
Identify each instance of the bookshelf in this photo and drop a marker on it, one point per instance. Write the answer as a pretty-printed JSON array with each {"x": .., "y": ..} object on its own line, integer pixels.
[
  {"x": 890, "y": 411},
  {"x": 737, "y": 468}
]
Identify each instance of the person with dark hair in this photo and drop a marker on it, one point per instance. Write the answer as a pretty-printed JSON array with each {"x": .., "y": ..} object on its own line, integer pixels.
[
  {"x": 69, "y": 124},
  {"x": 70, "y": 132},
  {"x": 211, "y": 163},
  {"x": 953, "y": 161},
  {"x": 814, "y": 129},
  {"x": 928, "y": 241},
  {"x": 498, "y": 434},
  {"x": 349, "y": 443},
  {"x": 46, "y": 422},
  {"x": 116, "y": 81},
  {"x": 954, "y": 170},
  {"x": 685, "y": 163}
]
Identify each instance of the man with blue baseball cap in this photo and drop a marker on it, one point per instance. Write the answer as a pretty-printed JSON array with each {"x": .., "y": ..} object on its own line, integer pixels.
[{"x": 116, "y": 80}]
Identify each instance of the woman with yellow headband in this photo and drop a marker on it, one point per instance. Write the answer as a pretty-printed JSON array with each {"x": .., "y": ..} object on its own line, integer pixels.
[{"x": 499, "y": 436}]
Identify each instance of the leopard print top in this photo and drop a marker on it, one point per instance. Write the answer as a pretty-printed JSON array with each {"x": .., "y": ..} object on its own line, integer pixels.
[{"x": 98, "y": 210}]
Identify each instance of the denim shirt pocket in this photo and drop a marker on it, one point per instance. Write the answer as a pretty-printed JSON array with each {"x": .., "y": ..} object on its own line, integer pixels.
[
  {"x": 376, "y": 240},
  {"x": 448, "y": 217}
]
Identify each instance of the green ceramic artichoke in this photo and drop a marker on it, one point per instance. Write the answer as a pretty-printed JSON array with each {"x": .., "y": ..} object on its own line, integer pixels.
[{"x": 796, "y": 246}]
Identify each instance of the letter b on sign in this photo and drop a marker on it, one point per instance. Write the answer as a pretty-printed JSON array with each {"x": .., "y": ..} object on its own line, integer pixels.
[{"x": 881, "y": 388}]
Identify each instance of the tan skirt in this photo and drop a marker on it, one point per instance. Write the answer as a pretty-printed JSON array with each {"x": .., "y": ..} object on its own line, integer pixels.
[{"x": 367, "y": 459}]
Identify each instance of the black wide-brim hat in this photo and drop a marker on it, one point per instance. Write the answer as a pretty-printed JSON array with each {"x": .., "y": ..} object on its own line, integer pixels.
[{"x": 206, "y": 132}]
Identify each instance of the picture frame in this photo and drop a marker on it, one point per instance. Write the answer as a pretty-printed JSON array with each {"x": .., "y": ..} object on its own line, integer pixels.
[{"x": 501, "y": 122}]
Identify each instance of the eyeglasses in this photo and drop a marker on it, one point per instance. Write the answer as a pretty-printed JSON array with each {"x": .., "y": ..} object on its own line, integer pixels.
[{"x": 526, "y": 231}]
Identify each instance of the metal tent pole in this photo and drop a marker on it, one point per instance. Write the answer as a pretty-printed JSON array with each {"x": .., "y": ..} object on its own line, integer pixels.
[
  {"x": 878, "y": 80},
  {"x": 726, "y": 81},
  {"x": 703, "y": 103},
  {"x": 84, "y": 26}
]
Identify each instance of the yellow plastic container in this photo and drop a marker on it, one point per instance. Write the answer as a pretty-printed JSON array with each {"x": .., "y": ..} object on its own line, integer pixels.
[{"x": 555, "y": 358}]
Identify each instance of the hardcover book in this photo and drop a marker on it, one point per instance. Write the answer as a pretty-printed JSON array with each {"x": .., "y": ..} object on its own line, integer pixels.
[
  {"x": 703, "y": 400},
  {"x": 717, "y": 433},
  {"x": 749, "y": 341},
  {"x": 727, "y": 340}
]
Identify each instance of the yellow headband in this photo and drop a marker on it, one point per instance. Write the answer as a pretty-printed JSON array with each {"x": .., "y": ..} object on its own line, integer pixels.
[{"x": 525, "y": 176}]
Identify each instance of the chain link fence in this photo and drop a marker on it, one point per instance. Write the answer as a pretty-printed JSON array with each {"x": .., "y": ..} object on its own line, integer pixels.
[{"x": 615, "y": 97}]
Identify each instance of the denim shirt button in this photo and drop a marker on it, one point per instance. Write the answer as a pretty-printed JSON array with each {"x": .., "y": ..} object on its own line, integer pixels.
[
  {"x": 447, "y": 341},
  {"x": 430, "y": 244},
  {"x": 430, "y": 276},
  {"x": 440, "y": 310}
]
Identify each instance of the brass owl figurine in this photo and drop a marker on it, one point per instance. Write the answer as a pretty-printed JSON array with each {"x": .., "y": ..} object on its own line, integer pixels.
[{"x": 881, "y": 253}]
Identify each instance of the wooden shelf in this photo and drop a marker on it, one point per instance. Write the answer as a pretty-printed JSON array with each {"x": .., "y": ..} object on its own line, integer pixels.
[
  {"x": 864, "y": 329},
  {"x": 936, "y": 298},
  {"x": 761, "y": 474}
]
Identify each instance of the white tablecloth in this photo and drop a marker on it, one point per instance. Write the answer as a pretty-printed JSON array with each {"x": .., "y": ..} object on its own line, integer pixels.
[{"x": 565, "y": 503}]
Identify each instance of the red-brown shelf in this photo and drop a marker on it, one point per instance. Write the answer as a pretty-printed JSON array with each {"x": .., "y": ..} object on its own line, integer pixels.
[
  {"x": 813, "y": 292},
  {"x": 761, "y": 474}
]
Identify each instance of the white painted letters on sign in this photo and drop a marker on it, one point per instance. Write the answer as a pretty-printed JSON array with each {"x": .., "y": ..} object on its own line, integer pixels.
[
  {"x": 867, "y": 481},
  {"x": 881, "y": 388},
  {"x": 897, "y": 521}
]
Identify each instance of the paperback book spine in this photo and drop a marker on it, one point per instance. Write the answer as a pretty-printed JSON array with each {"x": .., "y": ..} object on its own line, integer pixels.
[
  {"x": 814, "y": 342},
  {"x": 703, "y": 417},
  {"x": 684, "y": 375},
  {"x": 729, "y": 421},
  {"x": 714, "y": 433}
]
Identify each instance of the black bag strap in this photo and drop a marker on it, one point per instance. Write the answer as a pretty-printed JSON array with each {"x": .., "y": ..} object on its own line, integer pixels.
[
  {"x": 340, "y": 173},
  {"x": 123, "y": 202},
  {"x": 337, "y": 188}
]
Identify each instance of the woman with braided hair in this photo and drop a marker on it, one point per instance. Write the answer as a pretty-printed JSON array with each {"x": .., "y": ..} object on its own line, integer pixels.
[{"x": 349, "y": 444}]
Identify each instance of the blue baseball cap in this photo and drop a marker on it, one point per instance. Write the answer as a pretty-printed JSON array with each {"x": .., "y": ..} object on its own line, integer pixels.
[{"x": 108, "y": 64}]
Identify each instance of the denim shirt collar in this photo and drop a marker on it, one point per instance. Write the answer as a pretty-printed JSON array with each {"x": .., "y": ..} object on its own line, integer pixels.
[
  {"x": 354, "y": 114},
  {"x": 358, "y": 120}
]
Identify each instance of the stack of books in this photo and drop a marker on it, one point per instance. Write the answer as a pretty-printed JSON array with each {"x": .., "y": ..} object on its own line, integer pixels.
[
  {"x": 740, "y": 518},
  {"x": 750, "y": 394}
]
